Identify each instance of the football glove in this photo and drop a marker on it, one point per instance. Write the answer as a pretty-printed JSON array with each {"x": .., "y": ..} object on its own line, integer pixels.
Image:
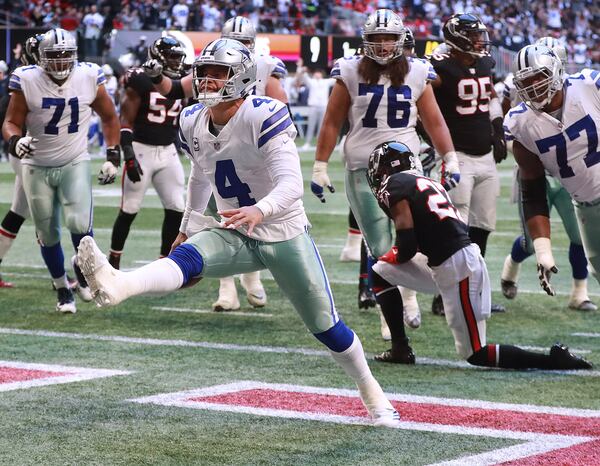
[
  {"x": 153, "y": 69},
  {"x": 320, "y": 179},
  {"x": 132, "y": 166},
  {"x": 22, "y": 147},
  {"x": 428, "y": 162},
  {"x": 109, "y": 171},
  {"x": 450, "y": 175},
  {"x": 498, "y": 141},
  {"x": 545, "y": 263}
]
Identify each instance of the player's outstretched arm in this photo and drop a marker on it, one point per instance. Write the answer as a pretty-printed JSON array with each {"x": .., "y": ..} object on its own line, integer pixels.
[
  {"x": 172, "y": 89},
  {"x": 536, "y": 212},
  {"x": 130, "y": 105},
  {"x": 335, "y": 116}
]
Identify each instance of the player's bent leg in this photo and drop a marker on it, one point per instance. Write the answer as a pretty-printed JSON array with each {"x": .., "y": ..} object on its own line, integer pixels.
[
  {"x": 9, "y": 228},
  {"x": 512, "y": 266},
  {"x": 588, "y": 219},
  {"x": 255, "y": 292},
  {"x": 352, "y": 249},
  {"x": 579, "y": 299},
  {"x": 346, "y": 349},
  {"x": 110, "y": 286}
]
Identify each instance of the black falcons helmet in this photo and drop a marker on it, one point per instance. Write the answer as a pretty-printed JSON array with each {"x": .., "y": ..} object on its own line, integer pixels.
[
  {"x": 169, "y": 52},
  {"x": 466, "y": 33},
  {"x": 389, "y": 158},
  {"x": 409, "y": 40},
  {"x": 31, "y": 50}
]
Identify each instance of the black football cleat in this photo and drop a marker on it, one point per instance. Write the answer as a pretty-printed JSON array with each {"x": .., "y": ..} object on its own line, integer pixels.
[
  {"x": 398, "y": 354},
  {"x": 437, "y": 305},
  {"x": 564, "y": 359},
  {"x": 366, "y": 298},
  {"x": 509, "y": 289},
  {"x": 498, "y": 308}
]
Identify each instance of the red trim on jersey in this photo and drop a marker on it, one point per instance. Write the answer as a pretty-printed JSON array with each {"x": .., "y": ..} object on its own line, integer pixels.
[
  {"x": 491, "y": 353},
  {"x": 8, "y": 234},
  {"x": 467, "y": 308},
  {"x": 354, "y": 231}
]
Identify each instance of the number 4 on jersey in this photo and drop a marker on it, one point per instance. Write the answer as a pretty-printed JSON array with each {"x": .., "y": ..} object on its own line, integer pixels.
[{"x": 229, "y": 184}]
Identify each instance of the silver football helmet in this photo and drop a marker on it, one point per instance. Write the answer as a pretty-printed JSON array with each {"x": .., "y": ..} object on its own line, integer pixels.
[
  {"x": 557, "y": 46},
  {"x": 538, "y": 75},
  {"x": 241, "y": 75},
  {"x": 383, "y": 21},
  {"x": 58, "y": 53},
  {"x": 240, "y": 28}
]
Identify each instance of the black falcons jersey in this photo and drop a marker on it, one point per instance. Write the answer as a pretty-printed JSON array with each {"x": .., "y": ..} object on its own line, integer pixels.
[
  {"x": 464, "y": 99},
  {"x": 157, "y": 119},
  {"x": 438, "y": 227}
]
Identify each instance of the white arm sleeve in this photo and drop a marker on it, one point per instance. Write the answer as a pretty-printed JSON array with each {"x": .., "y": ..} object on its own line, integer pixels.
[
  {"x": 283, "y": 164},
  {"x": 198, "y": 195}
]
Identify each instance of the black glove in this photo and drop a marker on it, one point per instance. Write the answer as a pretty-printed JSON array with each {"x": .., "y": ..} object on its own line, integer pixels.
[
  {"x": 132, "y": 166},
  {"x": 498, "y": 141}
]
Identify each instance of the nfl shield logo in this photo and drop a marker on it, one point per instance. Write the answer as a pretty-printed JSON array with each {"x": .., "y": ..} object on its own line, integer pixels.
[{"x": 217, "y": 145}]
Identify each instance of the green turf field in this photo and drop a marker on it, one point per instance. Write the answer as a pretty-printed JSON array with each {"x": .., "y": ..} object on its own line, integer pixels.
[{"x": 164, "y": 345}]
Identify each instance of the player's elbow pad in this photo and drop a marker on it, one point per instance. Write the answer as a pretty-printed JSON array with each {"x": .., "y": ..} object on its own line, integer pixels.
[
  {"x": 534, "y": 198},
  {"x": 406, "y": 242},
  {"x": 176, "y": 91}
]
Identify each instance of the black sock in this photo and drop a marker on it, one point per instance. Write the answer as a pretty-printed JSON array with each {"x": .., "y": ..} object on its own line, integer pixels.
[
  {"x": 363, "y": 272},
  {"x": 352, "y": 223},
  {"x": 510, "y": 357},
  {"x": 479, "y": 237},
  {"x": 170, "y": 229},
  {"x": 121, "y": 230},
  {"x": 11, "y": 223},
  {"x": 390, "y": 300}
]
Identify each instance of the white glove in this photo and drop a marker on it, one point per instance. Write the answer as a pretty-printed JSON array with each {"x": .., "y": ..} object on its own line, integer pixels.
[
  {"x": 450, "y": 175},
  {"x": 545, "y": 263},
  {"x": 108, "y": 173},
  {"x": 320, "y": 179},
  {"x": 24, "y": 148},
  {"x": 152, "y": 68}
]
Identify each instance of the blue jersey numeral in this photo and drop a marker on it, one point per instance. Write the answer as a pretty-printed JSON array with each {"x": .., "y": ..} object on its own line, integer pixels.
[
  {"x": 393, "y": 104},
  {"x": 587, "y": 125},
  {"x": 59, "y": 103},
  {"x": 258, "y": 101},
  {"x": 229, "y": 184}
]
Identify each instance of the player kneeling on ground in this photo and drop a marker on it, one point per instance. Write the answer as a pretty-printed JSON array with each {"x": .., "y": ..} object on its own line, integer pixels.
[
  {"x": 448, "y": 263},
  {"x": 242, "y": 151}
]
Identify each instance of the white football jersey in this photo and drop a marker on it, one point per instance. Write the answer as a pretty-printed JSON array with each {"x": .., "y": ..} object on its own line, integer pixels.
[
  {"x": 380, "y": 112},
  {"x": 568, "y": 148},
  {"x": 58, "y": 116},
  {"x": 267, "y": 66},
  {"x": 510, "y": 91},
  {"x": 253, "y": 160}
]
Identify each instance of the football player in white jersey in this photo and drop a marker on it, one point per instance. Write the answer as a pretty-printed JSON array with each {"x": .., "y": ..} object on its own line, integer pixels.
[
  {"x": 269, "y": 73},
  {"x": 558, "y": 197},
  {"x": 54, "y": 101},
  {"x": 380, "y": 93},
  {"x": 555, "y": 130},
  {"x": 242, "y": 150}
]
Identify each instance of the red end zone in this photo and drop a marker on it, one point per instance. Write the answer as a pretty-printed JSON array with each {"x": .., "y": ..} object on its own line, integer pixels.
[{"x": 550, "y": 435}]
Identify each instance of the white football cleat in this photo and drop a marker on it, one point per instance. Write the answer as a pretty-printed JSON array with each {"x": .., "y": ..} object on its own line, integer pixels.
[
  {"x": 255, "y": 292},
  {"x": 351, "y": 251},
  {"x": 82, "y": 289},
  {"x": 105, "y": 282},
  {"x": 412, "y": 313},
  {"x": 66, "y": 301},
  {"x": 228, "y": 297},
  {"x": 385, "y": 330},
  {"x": 387, "y": 417}
]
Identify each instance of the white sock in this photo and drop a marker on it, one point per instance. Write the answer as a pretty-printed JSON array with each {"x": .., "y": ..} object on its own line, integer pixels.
[
  {"x": 354, "y": 239},
  {"x": 5, "y": 244},
  {"x": 579, "y": 291},
  {"x": 251, "y": 280},
  {"x": 159, "y": 277},
  {"x": 354, "y": 363},
  {"x": 227, "y": 284},
  {"x": 60, "y": 282},
  {"x": 510, "y": 270}
]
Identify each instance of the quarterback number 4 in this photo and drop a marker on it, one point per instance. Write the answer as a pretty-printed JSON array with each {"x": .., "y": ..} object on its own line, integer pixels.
[
  {"x": 393, "y": 104},
  {"x": 52, "y": 126},
  {"x": 587, "y": 125},
  {"x": 229, "y": 184}
]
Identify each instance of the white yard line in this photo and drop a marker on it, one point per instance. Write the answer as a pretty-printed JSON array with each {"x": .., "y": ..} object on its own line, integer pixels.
[{"x": 251, "y": 348}]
